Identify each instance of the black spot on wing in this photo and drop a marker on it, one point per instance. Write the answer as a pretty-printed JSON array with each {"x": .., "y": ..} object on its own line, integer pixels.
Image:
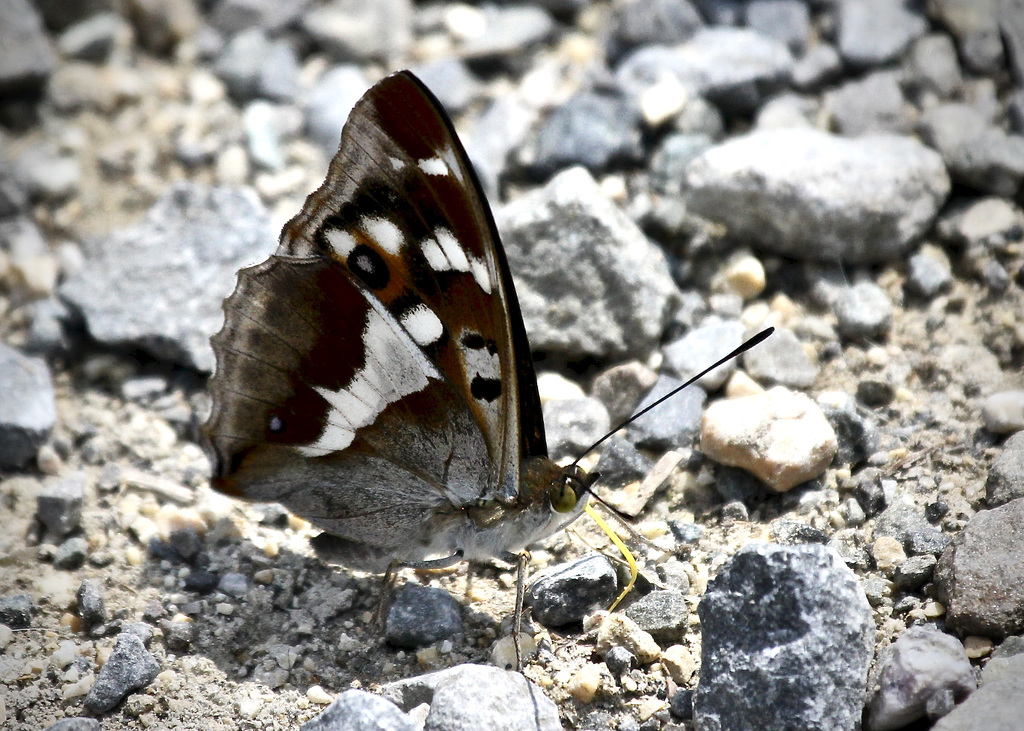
[
  {"x": 369, "y": 267},
  {"x": 485, "y": 389},
  {"x": 476, "y": 341}
]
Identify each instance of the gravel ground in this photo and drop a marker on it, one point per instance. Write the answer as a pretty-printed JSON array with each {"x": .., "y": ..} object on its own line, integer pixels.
[{"x": 832, "y": 526}]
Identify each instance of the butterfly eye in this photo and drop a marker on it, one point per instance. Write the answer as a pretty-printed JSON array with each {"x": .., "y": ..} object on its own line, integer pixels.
[{"x": 563, "y": 497}]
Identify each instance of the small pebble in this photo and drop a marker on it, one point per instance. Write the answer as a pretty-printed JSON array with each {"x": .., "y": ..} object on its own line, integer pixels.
[
  {"x": 91, "y": 607},
  {"x": 585, "y": 683},
  {"x": 318, "y": 695},
  {"x": 781, "y": 437},
  {"x": 679, "y": 663},
  {"x": 618, "y": 629},
  {"x": 863, "y": 311},
  {"x": 421, "y": 615},
  {"x": 888, "y": 554},
  {"x": 1003, "y": 412},
  {"x": 130, "y": 667}
]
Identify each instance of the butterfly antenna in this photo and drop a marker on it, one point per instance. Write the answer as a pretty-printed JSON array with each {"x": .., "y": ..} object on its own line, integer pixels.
[{"x": 756, "y": 340}]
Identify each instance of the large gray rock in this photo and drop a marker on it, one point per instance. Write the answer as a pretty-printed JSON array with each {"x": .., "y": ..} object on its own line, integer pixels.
[
  {"x": 28, "y": 409},
  {"x": 476, "y": 697},
  {"x": 812, "y": 195},
  {"x": 980, "y": 576},
  {"x": 589, "y": 281},
  {"x": 357, "y": 710},
  {"x": 26, "y": 56},
  {"x": 787, "y": 639},
  {"x": 159, "y": 285},
  {"x": 913, "y": 672}
]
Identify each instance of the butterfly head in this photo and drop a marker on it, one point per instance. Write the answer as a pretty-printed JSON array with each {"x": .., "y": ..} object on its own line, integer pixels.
[{"x": 569, "y": 490}]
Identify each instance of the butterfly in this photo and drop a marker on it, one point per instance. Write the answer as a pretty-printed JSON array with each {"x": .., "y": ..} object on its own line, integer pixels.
[{"x": 374, "y": 374}]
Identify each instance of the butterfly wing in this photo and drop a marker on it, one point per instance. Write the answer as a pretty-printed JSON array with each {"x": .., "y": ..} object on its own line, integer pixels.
[{"x": 376, "y": 369}]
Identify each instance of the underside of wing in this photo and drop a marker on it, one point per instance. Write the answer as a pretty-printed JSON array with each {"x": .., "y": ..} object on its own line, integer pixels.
[
  {"x": 323, "y": 402},
  {"x": 401, "y": 209}
]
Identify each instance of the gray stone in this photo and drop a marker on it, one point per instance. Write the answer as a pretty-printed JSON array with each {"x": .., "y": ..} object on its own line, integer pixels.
[
  {"x": 568, "y": 593},
  {"x": 1003, "y": 412},
  {"x": 1006, "y": 475},
  {"x": 818, "y": 66},
  {"x": 253, "y": 65},
  {"x": 28, "y": 409},
  {"x": 16, "y": 611},
  {"x": 476, "y": 697},
  {"x": 921, "y": 664},
  {"x": 330, "y": 102},
  {"x": 621, "y": 293},
  {"x": 907, "y": 524},
  {"x": 71, "y": 554},
  {"x": 357, "y": 31},
  {"x": 572, "y": 425},
  {"x": 931, "y": 65},
  {"x": 13, "y": 197},
  {"x": 873, "y": 32},
  {"x": 913, "y": 573},
  {"x": 92, "y": 39},
  {"x": 26, "y": 57},
  {"x": 178, "y": 635},
  {"x": 975, "y": 25},
  {"x": 482, "y": 697},
  {"x": 233, "y": 16},
  {"x": 591, "y": 129},
  {"x": 499, "y": 131},
  {"x": 80, "y": 723},
  {"x": 59, "y": 508},
  {"x": 420, "y": 615},
  {"x": 675, "y": 422},
  {"x": 669, "y": 161},
  {"x": 993, "y": 707},
  {"x": 1007, "y": 661},
  {"x": 780, "y": 625},
  {"x": 663, "y": 613},
  {"x": 619, "y": 660},
  {"x": 234, "y": 584},
  {"x": 874, "y": 103},
  {"x": 786, "y": 20},
  {"x": 856, "y": 432},
  {"x": 788, "y": 110},
  {"x": 89, "y": 599},
  {"x": 928, "y": 273},
  {"x": 130, "y": 667},
  {"x": 47, "y": 333},
  {"x": 701, "y": 347},
  {"x": 980, "y": 576},
  {"x": 621, "y": 387},
  {"x": 47, "y": 175},
  {"x": 781, "y": 359},
  {"x": 262, "y": 125},
  {"x": 357, "y": 710},
  {"x": 622, "y": 463},
  {"x": 452, "y": 83},
  {"x": 863, "y": 311},
  {"x": 508, "y": 31},
  {"x": 977, "y": 153},
  {"x": 735, "y": 68},
  {"x": 158, "y": 286},
  {"x": 814, "y": 196},
  {"x": 653, "y": 22}
]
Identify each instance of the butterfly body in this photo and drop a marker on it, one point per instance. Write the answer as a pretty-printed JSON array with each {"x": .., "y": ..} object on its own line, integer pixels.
[{"x": 374, "y": 376}]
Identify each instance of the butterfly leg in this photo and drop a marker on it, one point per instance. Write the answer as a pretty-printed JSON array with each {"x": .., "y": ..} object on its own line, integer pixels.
[
  {"x": 392, "y": 573},
  {"x": 517, "y": 619}
]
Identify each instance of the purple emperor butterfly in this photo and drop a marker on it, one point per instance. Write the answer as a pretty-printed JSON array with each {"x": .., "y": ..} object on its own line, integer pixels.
[{"x": 374, "y": 375}]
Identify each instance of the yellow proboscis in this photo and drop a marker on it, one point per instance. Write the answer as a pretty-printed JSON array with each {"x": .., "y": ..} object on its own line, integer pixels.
[{"x": 633, "y": 570}]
